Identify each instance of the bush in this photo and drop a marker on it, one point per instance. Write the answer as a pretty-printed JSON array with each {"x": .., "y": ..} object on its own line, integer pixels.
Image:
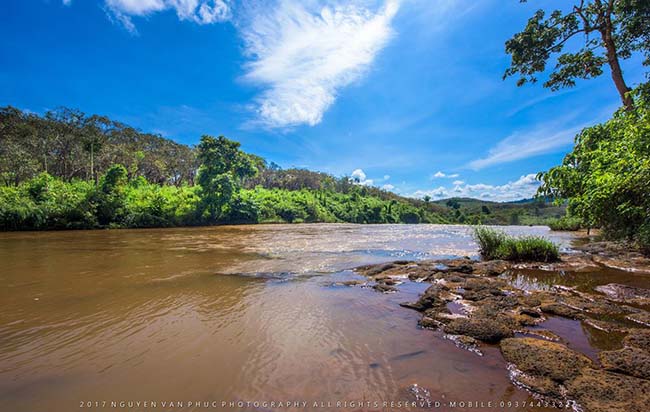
[
  {"x": 565, "y": 224},
  {"x": 606, "y": 178},
  {"x": 488, "y": 241},
  {"x": 644, "y": 238},
  {"x": 494, "y": 244}
]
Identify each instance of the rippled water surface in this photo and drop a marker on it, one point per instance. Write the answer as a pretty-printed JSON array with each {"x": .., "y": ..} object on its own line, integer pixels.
[{"x": 227, "y": 314}]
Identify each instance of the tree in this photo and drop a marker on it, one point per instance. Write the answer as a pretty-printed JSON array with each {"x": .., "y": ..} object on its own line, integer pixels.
[
  {"x": 223, "y": 167},
  {"x": 426, "y": 198},
  {"x": 613, "y": 30},
  {"x": 606, "y": 178},
  {"x": 95, "y": 130}
]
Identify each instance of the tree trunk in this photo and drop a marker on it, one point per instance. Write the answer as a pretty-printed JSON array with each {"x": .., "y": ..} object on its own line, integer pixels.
[{"x": 617, "y": 73}]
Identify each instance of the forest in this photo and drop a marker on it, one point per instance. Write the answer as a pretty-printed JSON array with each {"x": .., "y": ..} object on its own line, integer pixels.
[{"x": 67, "y": 170}]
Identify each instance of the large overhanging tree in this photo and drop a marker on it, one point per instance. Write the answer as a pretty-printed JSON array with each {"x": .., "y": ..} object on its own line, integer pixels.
[{"x": 600, "y": 31}]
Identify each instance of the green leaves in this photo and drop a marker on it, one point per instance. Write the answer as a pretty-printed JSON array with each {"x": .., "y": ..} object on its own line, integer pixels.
[
  {"x": 223, "y": 167},
  {"x": 598, "y": 32},
  {"x": 607, "y": 175}
]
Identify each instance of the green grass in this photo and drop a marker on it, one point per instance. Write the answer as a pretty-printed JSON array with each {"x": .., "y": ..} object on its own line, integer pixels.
[
  {"x": 494, "y": 244},
  {"x": 565, "y": 224}
]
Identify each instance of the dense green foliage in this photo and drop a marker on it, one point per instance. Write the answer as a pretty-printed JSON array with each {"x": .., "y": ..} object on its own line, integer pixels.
[
  {"x": 606, "y": 178},
  {"x": 66, "y": 170},
  {"x": 565, "y": 223},
  {"x": 494, "y": 244},
  {"x": 601, "y": 32},
  {"x": 45, "y": 202}
]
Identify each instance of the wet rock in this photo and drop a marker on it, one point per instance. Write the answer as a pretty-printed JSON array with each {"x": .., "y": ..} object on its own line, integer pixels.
[
  {"x": 376, "y": 269},
  {"x": 463, "y": 265},
  {"x": 543, "y": 359},
  {"x": 569, "y": 263},
  {"x": 543, "y": 333},
  {"x": 483, "y": 288},
  {"x": 533, "y": 313},
  {"x": 525, "y": 320},
  {"x": 605, "y": 326},
  {"x": 465, "y": 342},
  {"x": 561, "y": 310},
  {"x": 641, "y": 317},
  {"x": 595, "y": 305},
  {"x": 638, "y": 338},
  {"x": 532, "y": 300},
  {"x": 601, "y": 391},
  {"x": 630, "y": 361},
  {"x": 429, "y": 299},
  {"x": 349, "y": 283},
  {"x": 388, "y": 281},
  {"x": 491, "y": 268},
  {"x": 618, "y": 255},
  {"x": 380, "y": 287},
  {"x": 429, "y": 323},
  {"x": 625, "y": 293},
  {"x": 494, "y": 305},
  {"x": 539, "y": 384},
  {"x": 483, "y": 329}
]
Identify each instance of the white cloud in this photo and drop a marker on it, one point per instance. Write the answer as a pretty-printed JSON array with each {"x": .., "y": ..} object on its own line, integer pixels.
[
  {"x": 523, "y": 188},
  {"x": 198, "y": 11},
  {"x": 517, "y": 146},
  {"x": 458, "y": 182},
  {"x": 386, "y": 177},
  {"x": 438, "y": 193},
  {"x": 440, "y": 175},
  {"x": 303, "y": 55},
  {"x": 359, "y": 177},
  {"x": 388, "y": 187}
]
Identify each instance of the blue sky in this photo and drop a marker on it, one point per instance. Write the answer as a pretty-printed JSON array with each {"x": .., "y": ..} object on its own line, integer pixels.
[{"x": 405, "y": 95}]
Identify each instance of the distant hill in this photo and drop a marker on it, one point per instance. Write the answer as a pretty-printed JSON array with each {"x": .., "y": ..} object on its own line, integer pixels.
[{"x": 520, "y": 212}]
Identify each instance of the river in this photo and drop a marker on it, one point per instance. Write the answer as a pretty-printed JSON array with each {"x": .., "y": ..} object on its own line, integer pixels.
[{"x": 230, "y": 314}]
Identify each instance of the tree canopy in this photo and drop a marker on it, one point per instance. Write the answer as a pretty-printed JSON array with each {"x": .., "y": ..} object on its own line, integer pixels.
[
  {"x": 590, "y": 35},
  {"x": 606, "y": 178}
]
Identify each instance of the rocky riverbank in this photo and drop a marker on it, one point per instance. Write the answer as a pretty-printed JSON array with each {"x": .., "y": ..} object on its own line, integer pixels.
[{"x": 474, "y": 304}]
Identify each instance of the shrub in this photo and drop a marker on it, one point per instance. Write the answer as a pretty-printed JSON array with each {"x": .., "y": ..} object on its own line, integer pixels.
[
  {"x": 644, "y": 238},
  {"x": 565, "y": 224},
  {"x": 494, "y": 244},
  {"x": 488, "y": 241}
]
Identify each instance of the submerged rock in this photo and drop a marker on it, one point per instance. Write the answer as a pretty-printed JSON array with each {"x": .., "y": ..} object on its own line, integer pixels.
[
  {"x": 544, "y": 359},
  {"x": 625, "y": 293},
  {"x": 465, "y": 342},
  {"x": 384, "y": 288}
]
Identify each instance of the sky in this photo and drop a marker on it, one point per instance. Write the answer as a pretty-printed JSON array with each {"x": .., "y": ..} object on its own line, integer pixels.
[{"x": 406, "y": 95}]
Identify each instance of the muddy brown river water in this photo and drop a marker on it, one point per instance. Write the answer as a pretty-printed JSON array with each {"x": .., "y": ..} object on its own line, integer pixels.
[{"x": 97, "y": 319}]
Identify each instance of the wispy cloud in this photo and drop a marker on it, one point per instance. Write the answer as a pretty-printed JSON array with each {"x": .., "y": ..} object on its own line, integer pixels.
[
  {"x": 197, "y": 11},
  {"x": 303, "y": 56},
  {"x": 522, "y": 145}
]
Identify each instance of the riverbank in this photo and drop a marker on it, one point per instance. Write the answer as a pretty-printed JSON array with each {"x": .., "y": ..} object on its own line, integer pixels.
[{"x": 479, "y": 304}]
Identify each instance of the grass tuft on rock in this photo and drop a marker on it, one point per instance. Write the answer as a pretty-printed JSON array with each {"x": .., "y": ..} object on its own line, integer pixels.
[{"x": 494, "y": 244}]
